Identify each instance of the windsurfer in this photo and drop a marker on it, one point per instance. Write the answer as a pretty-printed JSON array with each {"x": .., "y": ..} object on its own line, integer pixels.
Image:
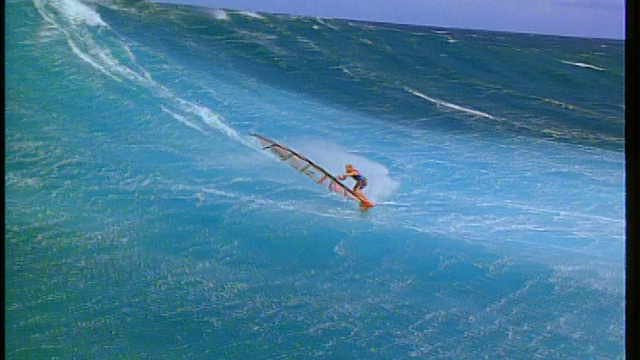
[
  {"x": 361, "y": 181},
  {"x": 318, "y": 174}
]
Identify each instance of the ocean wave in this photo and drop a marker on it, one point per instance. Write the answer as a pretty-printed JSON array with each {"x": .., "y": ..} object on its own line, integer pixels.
[
  {"x": 460, "y": 216},
  {"x": 114, "y": 58}
]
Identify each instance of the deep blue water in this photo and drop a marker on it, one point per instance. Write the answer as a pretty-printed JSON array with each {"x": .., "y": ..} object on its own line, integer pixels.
[{"x": 142, "y": 222}]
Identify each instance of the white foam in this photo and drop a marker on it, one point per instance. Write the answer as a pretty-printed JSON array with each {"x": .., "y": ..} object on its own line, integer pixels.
[
  {"x": 583, "y": 65},
  {"x": 78, "y": 12},
  {"x": 449, "y": 105},
  {"x": 48, "y": 33},
  {"x": 309, "y": 44},
  {"x": 251, "y": 14},
  {"x": 87, "y": 58},
  {"x": 131, "y": 56},
  {"x": 182, "y": 119},
  {"x": 345, "y": 70},
  {"x": 212, "y": 119},
  {"x": 64, "y": 162},
  {"x": 219, "y": 14},
  {"x": 326, "y": 24}
]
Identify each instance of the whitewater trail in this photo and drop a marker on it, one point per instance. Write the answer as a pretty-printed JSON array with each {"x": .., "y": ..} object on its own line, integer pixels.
[{"x": 85, "y": 30}]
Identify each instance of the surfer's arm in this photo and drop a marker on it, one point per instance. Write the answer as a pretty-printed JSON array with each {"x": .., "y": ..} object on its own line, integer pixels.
[{"x": 347, "y": 174}]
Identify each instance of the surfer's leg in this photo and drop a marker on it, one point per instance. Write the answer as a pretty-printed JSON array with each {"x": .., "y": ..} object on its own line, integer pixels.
[
  {"x": 359, "y": 186},
  {"x": 356, "y": 190},
  {"x": 362, "y": 183}
]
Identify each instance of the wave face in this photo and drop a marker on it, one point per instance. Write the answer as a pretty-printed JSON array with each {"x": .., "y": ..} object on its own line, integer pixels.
[{"x": 143, "y": 222}]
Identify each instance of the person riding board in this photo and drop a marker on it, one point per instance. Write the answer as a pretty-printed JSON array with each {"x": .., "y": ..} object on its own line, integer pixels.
[{"x": 361, "y": 181}]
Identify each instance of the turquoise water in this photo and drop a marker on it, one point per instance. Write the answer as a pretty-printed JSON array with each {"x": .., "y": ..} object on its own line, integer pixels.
[{"x": 142, "y": 222}]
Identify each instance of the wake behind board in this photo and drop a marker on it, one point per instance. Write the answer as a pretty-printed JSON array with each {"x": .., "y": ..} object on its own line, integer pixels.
[{"x": 312, "y": 171}]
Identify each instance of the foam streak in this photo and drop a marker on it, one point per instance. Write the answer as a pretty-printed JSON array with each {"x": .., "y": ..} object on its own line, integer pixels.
[{"x": 449, "y": 105}]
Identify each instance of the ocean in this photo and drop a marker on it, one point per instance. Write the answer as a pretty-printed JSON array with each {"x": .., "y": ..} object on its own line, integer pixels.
[{"x": 143, "y": 222}]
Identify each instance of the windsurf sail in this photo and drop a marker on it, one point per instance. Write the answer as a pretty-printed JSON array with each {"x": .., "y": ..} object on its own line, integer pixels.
[{"x": 307, "y": 167}]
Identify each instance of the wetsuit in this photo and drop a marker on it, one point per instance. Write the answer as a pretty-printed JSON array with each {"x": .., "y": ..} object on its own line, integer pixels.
[{"x": 361, "y": 182}]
